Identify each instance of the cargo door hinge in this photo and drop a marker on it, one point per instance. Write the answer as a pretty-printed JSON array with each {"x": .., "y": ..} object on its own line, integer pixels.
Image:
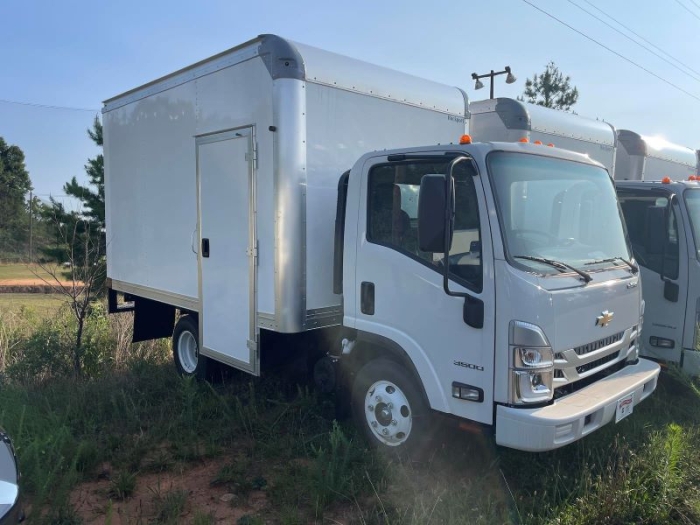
[
  {"x": 253, "y": 252},
  {"x": 252, "y": 156}
]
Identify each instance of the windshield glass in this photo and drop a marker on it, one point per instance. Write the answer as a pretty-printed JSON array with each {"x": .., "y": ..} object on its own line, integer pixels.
[
  {"x": 692, "y": 203},
  {"x": 558, "y": 210}
]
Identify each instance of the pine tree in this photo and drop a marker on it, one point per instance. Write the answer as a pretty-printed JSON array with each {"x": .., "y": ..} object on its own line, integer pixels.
[
  {"x": 80, "y": 243},
  {"x": 550, "y": 89}
]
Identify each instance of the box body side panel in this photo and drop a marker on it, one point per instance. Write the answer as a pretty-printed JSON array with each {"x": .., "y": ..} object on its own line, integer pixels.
[
  {"x": 151, "y": 192},
  {"x": 150, "y": 177},
  {"x": 341, "y": 127}
]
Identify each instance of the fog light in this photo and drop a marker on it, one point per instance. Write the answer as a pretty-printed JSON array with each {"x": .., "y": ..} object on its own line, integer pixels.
[
  {"x": 533, "y": 387},
  {"x": 661, "y": 342},
  {"x": 467, "y": 392}
]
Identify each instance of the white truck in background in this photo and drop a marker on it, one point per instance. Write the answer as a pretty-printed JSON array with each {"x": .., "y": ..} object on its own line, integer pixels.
[
  {"x": 661, "y": 205},
  {"x": 484, "y": 281},
  {"x": 661, "y": 217}
]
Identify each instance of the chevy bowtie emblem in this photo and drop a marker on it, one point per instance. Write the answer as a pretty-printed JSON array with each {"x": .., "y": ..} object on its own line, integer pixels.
[{"x": 604, "y": 318}]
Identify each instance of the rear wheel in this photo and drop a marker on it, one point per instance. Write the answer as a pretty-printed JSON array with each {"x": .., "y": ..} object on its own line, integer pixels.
[
  {"x": 389, "y": 407},
  {"x": 186, "y": 349}
]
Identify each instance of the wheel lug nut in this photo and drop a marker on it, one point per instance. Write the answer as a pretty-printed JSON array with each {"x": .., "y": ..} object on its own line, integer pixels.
[
  {"x": 385, "y": 431},
  {"x": 378, "y": 399},
  {"x": 370, "y": 408},
  {"x": 374, "y": 423},
  {"x": 394, "y": 422}
]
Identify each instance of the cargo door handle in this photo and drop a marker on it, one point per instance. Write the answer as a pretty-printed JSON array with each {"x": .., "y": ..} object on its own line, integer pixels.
[
  {"x": 205, "y": 247},
  {"x": 192, "y": 245}
]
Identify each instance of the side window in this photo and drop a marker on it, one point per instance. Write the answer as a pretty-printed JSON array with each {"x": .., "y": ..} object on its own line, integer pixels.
[
  {"x": 392, "y": 217},
  {"x": 641, "y": 209}
]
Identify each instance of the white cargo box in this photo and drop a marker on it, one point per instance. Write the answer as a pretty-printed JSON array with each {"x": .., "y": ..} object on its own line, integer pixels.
[
  {"x": 652, "y": 158},
  {"x": 509, "y": 120},
  {"x": 241, "y": 154}
]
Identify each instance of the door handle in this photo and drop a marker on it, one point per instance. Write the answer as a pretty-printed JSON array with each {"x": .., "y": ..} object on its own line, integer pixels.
[
  {"x": 367, "y": 298},
  {"x": 205, "y": 247}
]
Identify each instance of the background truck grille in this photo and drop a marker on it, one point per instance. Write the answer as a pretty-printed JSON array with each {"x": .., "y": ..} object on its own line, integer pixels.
[{"x": 597, "y": 345}]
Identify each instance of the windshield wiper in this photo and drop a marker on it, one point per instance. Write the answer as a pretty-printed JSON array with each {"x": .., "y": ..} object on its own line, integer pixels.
[
  {"x": 632, "y": 266},
  {"x": 557, "y": 264}
]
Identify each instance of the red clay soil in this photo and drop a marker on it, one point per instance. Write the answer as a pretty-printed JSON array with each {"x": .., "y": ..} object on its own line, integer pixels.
[
  {"x": 93, "y": 503},
  {"x": 34, "y": 285}
]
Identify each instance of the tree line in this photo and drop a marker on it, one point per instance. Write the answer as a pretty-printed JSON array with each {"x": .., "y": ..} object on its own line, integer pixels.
[{"x": 35, "y": 231}]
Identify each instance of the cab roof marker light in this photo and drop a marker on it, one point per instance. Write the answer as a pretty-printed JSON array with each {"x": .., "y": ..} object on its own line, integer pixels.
[
  {"x": 666, "y": 180},
  {"x": 550, "y": 145},
  {"x": 465, "y": 139},
  {"x": 524, "y": 139},
  {"x": 538, "y": 142}
]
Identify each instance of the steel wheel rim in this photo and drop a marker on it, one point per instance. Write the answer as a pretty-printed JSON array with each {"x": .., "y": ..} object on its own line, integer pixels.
[
  {"x": 388, "y": 413},
  {"x": 187, "y": 352}
]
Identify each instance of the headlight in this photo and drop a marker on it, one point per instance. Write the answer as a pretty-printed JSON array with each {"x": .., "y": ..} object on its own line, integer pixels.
[
  {"x": 533, "y": 357},
  {"x": 532, "y": 364}
]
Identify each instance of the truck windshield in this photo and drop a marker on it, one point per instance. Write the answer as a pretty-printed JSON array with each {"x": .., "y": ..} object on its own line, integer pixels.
[
  {"x": 557, "y": 211},
  {"x": 692, "y": 203}
]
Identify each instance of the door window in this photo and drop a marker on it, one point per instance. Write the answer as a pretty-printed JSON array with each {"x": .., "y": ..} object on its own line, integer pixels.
[
  {"x": 393, "y": 217},
  {"x": 639, "y": 208}
]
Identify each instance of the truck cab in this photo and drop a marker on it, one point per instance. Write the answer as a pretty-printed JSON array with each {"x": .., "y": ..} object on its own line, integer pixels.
[
  {"x": 662, "y": 219},
  {"x": 659, "y": 206},
  {"x": 498, "y": 277}
]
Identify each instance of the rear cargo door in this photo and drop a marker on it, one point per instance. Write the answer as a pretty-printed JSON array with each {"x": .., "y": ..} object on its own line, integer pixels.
[{"x": 227, "y": 248}]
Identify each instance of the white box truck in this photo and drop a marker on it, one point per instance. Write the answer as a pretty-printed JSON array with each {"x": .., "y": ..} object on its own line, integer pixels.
[
  {"x": 460, "y": 279},
  {"x": 662, "y": 211}
]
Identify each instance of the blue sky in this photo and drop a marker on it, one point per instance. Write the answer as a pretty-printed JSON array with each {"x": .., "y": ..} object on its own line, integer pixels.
[{"x": 77, "y": 53}]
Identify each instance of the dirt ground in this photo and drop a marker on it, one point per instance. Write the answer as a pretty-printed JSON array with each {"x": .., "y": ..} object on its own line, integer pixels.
[
  {"x": 94, "y": 504},
  {"x": 35, "y": 285}
]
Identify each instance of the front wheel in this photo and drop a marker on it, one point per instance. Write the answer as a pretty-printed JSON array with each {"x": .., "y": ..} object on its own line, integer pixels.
[
  {"x": 186, "y": 349},
  {"x": 389, "y": 406}
]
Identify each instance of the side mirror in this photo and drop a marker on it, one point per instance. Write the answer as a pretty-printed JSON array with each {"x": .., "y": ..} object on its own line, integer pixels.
[
  {"x": 671, "y": 291},
  {"x": 432, "y": 208}
]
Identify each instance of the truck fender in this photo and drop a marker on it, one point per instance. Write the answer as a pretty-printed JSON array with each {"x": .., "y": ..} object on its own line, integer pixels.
[{"x": 371, "y": 345}]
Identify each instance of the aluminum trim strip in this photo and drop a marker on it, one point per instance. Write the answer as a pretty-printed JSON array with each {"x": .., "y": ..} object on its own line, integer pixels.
[{"x": 180, "y": 301}]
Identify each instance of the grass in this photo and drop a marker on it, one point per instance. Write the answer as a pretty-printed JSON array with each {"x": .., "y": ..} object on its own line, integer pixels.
[
  {"x": 42, "y": 304},
  {"x": 268, "y": 436},
  {"x": 22, "y": 271}
]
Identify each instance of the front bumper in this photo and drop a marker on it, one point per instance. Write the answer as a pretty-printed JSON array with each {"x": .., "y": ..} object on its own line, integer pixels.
[{"x": 576, "y": 415}]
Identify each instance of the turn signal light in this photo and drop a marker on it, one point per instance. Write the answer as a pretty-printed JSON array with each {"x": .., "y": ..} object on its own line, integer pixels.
[
  {"x": 666, "y": 180},
  {"x": 524, "y": 139},
  {"x": 465, "y": 139}
]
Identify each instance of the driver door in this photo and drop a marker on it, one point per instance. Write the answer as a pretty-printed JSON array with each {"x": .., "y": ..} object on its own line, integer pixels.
[{"x": 400, "y": 288}]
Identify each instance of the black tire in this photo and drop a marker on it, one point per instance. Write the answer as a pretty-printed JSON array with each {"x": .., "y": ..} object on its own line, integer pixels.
[
  {"x": 383, "y": 415},
  {"x": 186, "y": 333}
]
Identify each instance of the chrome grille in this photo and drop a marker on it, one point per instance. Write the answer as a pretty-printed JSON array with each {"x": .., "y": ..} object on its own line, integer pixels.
[{"x": 597, "y": 345}]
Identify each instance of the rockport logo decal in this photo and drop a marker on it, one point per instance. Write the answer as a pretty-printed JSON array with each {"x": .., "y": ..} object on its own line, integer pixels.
[{"x": 469, "y": 366}]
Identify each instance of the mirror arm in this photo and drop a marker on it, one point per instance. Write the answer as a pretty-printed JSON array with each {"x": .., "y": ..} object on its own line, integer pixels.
[
  {"x": 449, "y": 220},
  {"x": 667, "y": 216}
]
